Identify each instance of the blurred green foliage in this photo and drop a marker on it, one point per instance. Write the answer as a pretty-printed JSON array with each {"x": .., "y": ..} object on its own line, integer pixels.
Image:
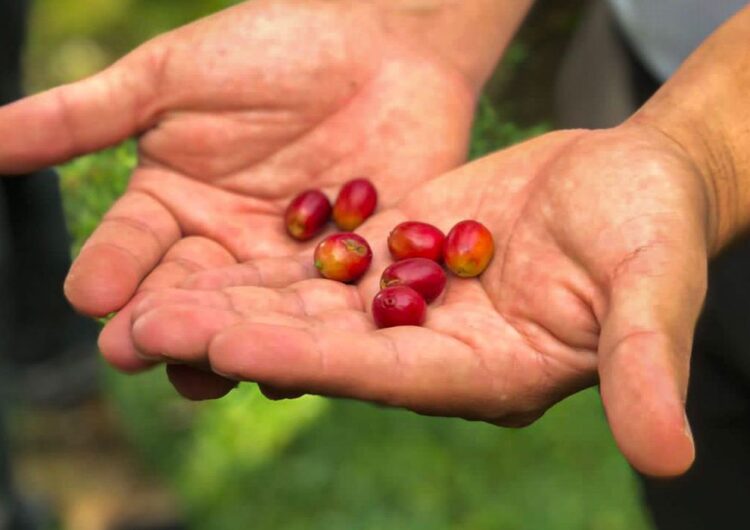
[
  {"x": 312, "y": 463},
  {"x": 75, "y": 38},
  {"x": 316, "y": 464}
]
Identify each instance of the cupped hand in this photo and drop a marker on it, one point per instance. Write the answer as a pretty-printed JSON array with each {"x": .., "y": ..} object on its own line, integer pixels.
[
  {"x": 602, "y": 242},
  {"x": 235, "y": 114}
]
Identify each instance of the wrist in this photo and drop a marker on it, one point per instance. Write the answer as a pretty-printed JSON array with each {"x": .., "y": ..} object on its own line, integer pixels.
[
  {"x": 698, "y": 145},
  {"x": 704, "y": 110},
  {"x": 468, "y": 37}
]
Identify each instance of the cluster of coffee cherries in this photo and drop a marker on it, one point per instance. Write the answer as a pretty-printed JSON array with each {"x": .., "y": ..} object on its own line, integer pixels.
[
  {"x": 308, "y": 214},
  {"x": 416, "y": 278}
]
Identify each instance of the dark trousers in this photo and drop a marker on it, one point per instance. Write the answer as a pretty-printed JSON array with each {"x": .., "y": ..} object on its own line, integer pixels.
[
  {"x": 11, "y": 36},
  {"x": 12, "y": 516},
  {"x": 602, "y": 81},
  {"x": 36, "y": 319}
]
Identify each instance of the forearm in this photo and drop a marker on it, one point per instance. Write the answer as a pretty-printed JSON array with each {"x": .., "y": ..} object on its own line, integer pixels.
[
  {"x": 705, "y": 108},
  {"x": 468, "y": 35}
]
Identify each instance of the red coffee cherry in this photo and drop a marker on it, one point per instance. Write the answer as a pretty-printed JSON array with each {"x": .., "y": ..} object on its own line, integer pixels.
[
  {"x": 423, "y": 275},
  {"x": 307, "y": 214},
  {"x": 343, "y": 257},
  {"x": 469, "y": 248},
  {"x": 413, "y": 239},
  {"x": 356, "y": 202},
  {"x": 398, "y": 306}
]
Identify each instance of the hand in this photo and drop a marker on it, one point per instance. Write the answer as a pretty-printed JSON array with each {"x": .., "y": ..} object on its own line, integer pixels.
[
  {"x": 599, "y": 275},
  {"x": 235, "y": 115}
]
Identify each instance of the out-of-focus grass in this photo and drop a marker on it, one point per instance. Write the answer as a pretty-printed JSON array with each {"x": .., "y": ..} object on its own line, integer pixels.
[
  {"x": 318, "y": 464},
  {"x": 321, "y": 464},
  {"x": 91, "y": 184}
]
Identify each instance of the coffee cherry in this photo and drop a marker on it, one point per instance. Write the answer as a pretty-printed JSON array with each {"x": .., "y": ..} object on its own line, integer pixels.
[
  {"x": 307, "y": 214},
  {"x": 468, "y": 249},
  {"x": 356, "y": 202},
  {"x": 423, "y": 275},
  {"x": 398, "y": 306},
  {"x": 343, "y": 257},
  {"x": 416, "y": 240}
]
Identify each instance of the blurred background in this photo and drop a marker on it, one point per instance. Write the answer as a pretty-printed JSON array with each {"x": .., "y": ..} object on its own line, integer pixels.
[{"x": 138, "y": 454}]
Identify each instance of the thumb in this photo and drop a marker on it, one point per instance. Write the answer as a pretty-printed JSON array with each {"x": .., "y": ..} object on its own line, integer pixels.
[
  {"x": 644, "y": 351},
  {"x": 82, "y": 117}
]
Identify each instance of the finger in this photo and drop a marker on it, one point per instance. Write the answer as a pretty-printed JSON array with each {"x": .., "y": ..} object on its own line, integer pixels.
[
  {"x": 269, "y": 272},
  {"x": 187, "y": 256},
  {"x": 277, "y": 394},
  {"x": 131, "y": 239},
  {"x": 98, "y": 112},
  {"x": 185, "y": 297},
  {"x": 408, "y": 366},
  {"x": 179, "y": 324},
  {"x": 197, "y": 385},
  {"x": 180, "y": 333},
  {"x": 306, "y": 298},
  {"x": 116, "y": 346},
  {"x": 184, "y": 258},
  {"x": 645, "y": 355}
]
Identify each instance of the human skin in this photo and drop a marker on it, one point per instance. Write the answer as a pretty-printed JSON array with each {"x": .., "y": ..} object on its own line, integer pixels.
[
  {"x": 234, "y": 117},
  {"x": 237, "y": 113},
  {"x": 603, "y": 239}
]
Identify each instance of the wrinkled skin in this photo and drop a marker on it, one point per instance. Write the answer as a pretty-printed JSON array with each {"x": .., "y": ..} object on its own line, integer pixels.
[
  {"x": 236, "y": 114},
  {"x": 599, "y": 275}
]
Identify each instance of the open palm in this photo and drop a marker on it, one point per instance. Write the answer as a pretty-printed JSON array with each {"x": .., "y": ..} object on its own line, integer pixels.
[
  {"x": 235, "y": 115},
  {"x": 600, "y": 274}
]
